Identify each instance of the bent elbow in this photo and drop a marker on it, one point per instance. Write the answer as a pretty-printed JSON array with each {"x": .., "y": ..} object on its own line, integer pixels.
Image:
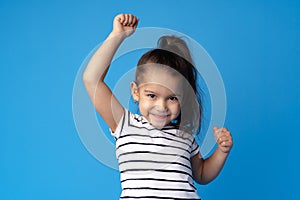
[
  {"x": 202, "y": 181},
  {"x": 91, "y": 79},
  {"x": 86, "y": 78}
]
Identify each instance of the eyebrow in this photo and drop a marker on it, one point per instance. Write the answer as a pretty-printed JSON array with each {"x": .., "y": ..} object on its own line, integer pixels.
[{"x": 149, "y": 91}]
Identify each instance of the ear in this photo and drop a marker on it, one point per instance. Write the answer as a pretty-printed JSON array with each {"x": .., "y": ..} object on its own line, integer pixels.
[{"x": 134, "y": 91}]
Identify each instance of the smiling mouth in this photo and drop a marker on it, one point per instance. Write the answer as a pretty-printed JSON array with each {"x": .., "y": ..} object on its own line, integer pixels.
[{"x": 161, "y": 117}]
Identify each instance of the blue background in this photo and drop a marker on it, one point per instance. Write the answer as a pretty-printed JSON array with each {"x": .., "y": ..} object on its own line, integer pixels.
[{"x": 255, "y": 45}]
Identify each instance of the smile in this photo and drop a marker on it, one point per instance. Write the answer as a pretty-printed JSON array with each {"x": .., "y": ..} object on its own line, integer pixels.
[{"x": 159, "y": 116}]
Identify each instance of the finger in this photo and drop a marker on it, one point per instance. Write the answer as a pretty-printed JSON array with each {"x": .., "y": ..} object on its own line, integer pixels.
[
  {"x": 227, "y": 140},
  {"x": 224, "y": 129},
  {"x": 215, "y": 128},
  {"x": 219, "y": 140},
  {"x": 223, "y": 138},
  {"x": 217, "y": 132},
  {"x": 130, "y": 19},
  {"x": 227, "y": 144},
  {"x": 223, "y": 144},
  {"x": 134, "y": 21},
  {"x": 125, "y": 23},
  {"x": 225, "y": 134},
  {"x": 228, "y": 134},
  {"x": 225, "y": 149},
  {"x": 121, "y": 18},
  {"x": 137, "y": 20}
]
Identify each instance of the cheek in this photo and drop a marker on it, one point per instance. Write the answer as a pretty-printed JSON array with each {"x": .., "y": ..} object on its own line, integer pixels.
[
  {"x": 175, "y": 108},
  {"x": 144, "y": 105}
]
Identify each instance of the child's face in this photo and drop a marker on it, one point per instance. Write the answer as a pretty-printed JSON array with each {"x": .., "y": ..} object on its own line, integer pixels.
[{"x": 159, "y": 97}]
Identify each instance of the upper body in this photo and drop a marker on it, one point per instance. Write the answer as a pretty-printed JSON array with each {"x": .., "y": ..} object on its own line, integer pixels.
[
  {"x": 164, "y": 94},
  {"x": 154, "y": 163}
]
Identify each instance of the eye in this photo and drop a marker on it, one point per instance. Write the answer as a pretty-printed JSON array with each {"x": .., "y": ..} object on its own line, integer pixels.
[
  {"x": 152, "y": 96},
  {"x": 173, "y": 98}
]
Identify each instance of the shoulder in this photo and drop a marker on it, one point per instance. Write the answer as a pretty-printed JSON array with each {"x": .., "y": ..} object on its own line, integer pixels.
[{"x": 129, "y": 123}]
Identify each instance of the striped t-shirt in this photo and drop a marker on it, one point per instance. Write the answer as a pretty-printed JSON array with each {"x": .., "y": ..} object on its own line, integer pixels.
[{"x": 153, "y": 163}]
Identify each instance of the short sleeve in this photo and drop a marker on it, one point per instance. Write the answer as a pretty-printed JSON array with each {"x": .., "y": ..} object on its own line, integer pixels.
[
  {"x": 194, "y": 148},
  {"x": 120, "y": 126}
]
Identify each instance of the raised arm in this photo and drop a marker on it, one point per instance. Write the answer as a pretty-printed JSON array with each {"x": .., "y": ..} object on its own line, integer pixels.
[
  {"x": 101, "y": 96},
  {"x": 204, "y": 171}
]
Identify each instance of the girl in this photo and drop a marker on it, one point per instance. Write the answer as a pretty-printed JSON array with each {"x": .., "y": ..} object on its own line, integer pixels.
[{"x": 157, "y": 154}]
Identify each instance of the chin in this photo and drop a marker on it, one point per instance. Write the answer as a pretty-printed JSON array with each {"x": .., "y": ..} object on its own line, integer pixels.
[{"x": 159, "y": 125}]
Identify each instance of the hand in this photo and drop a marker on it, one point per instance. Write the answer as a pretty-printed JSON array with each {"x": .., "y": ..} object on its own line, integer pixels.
[
  {"x": 125, "y": 24},
  {"x": 223, "y": 138}
]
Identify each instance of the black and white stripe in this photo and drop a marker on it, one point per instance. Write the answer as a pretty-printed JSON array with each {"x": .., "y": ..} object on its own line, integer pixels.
[{"x": 154, "y": 164}]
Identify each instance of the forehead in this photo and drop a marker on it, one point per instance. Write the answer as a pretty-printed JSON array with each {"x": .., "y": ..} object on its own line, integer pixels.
[{"x": 161, "y": 79}]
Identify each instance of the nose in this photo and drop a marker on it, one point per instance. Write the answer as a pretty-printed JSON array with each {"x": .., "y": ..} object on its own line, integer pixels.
[{"x": 161, "y": 105}]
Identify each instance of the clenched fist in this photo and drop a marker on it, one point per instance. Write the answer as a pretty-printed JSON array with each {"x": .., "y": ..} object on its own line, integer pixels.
[
  {"x": 124, "y": 24},
  {"x": 223, "y": 138}
]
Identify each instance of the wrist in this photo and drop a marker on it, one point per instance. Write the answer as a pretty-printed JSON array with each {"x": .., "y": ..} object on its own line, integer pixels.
[
  {"x": 222, "y": 153},
  {"x": 117, "y": 35}
]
